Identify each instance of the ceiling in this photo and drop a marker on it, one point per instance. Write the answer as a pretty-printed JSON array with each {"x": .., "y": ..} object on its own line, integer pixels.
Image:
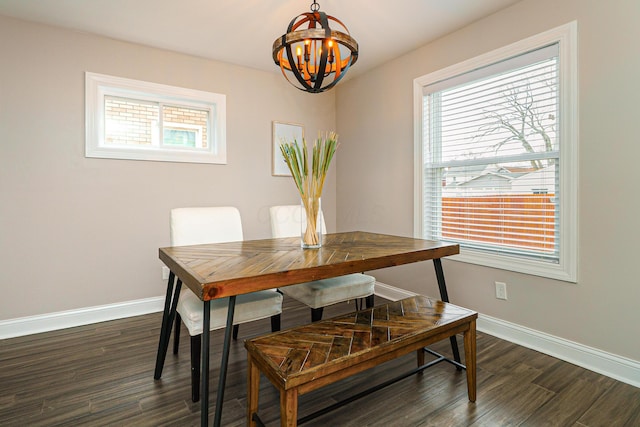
[{"x": 242, "y": 32}]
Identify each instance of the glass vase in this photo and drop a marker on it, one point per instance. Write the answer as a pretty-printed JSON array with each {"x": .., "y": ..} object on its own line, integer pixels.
[{"x": 311, "y": 225}]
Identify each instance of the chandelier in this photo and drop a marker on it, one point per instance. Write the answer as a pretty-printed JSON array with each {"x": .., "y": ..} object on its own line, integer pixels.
[{"x": 317, "y": 56}]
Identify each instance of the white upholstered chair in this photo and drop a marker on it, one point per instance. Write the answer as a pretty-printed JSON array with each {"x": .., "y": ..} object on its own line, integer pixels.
[
  {"x": 285, "y": 222},
  {"x": 193, "y": 226}
]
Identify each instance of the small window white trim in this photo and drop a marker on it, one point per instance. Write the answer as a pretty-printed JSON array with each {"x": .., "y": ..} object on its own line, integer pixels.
[
  {"x": 566, "y": 37},
  {"x": 97, "y": 86}
]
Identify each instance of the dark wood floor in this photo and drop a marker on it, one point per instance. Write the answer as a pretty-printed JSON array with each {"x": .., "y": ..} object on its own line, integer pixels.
[{"x": 102, "y": 374}]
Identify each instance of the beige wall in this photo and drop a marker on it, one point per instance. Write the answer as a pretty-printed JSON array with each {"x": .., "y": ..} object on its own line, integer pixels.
[
  {"x": 78, "y": 232},
  {"x": 376, "y": 110}
]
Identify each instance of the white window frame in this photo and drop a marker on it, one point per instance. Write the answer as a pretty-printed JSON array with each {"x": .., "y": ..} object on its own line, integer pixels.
[
  {"x": 566, "y": 268},
  {"x": 97, "y": 86}
]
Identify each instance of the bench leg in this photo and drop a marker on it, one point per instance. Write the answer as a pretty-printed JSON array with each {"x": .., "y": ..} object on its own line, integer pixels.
[
  {"x": 289, "y": 408},
  {"x": 253, "y": 391},
  {"x": 470, "y": 359}
]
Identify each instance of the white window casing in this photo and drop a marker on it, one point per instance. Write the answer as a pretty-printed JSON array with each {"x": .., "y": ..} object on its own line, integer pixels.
[
  {"x": 454, "y": 178},
  {"x": 209, "y": 132}
]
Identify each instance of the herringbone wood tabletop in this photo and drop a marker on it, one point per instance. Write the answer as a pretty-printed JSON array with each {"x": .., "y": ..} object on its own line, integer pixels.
[{"x": 225, "y": 269}]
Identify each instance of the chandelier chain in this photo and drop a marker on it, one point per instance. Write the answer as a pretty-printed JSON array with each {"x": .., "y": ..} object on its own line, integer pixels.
[{"x": 315, "y": 6}]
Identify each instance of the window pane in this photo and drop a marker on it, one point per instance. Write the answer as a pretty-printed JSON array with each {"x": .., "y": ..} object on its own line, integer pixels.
[
  {"x": 504, "y": 208},
  {"x": 185, "y": 126},
  {"x": 508, "y": 114},
  {"x": 130, "y": 122},
  {"x": 179, "y": 137},
  {"x": 491, "y": 175}
]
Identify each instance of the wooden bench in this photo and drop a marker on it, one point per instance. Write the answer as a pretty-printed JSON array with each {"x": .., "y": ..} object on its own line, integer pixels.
[{"x": 302, "y": 359}]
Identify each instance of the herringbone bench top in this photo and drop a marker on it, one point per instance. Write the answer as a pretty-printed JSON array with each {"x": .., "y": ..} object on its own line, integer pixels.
[{"x": 305, "y": 353}]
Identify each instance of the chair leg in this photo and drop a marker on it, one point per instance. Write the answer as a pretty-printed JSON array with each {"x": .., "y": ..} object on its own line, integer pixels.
[
  {"x": 316, "y": 314},
  {"x": 236, "y": 329},
  {"x": 176, "y": 333},
  {"x": 275, "y": 323},
  {"x": 370, "y": 301},
  {"x": 196, "y": 343}
]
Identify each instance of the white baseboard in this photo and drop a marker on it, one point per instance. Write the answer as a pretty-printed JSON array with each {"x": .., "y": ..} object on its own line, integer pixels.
[
  {"x": 611, "y": 365},
  {"x": 83, "y": 316},
  {"x": 602, "y": 362},
  {"x": 391, "y": 292}
]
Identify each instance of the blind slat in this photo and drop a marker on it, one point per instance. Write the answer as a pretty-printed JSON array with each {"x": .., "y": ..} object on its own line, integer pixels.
[{"x": 492, "y": 157}]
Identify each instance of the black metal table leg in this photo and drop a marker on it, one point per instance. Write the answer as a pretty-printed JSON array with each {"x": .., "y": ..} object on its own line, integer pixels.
[
  {"x": 168, "y": 316},
  {"x": 204, "y": 361},
  {"x": 444, "y": 296},
  {"x": 225, "y": 361}
]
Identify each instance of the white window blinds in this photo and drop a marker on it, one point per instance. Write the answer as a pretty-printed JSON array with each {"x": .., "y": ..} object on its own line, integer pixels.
[{"x": 492, "y": 157}]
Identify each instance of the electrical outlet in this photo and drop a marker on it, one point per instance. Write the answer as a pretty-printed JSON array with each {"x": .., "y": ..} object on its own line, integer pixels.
[
  {"x": 501, "y": 290},
  {"x": 165, "y": 272}
]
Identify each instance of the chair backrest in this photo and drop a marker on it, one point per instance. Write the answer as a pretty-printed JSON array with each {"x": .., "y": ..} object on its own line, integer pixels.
[
  {"x": 195, "y": 226},
  {"x": 286, "y": 220}
]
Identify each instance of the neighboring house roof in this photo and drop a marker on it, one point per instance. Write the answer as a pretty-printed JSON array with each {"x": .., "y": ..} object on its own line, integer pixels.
[
  {"x": 487, "y": 179},
  {"x": 515, "y": 179},
  {"x": 467, "y": 175}
]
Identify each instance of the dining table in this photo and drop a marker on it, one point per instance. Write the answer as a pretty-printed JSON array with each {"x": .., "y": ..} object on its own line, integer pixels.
[{"x": 226, "y": 270}]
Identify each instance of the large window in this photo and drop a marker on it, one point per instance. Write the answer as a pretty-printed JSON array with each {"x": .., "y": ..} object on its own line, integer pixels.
[
  {"x": 130, "y": 119},
  {"x": 496, "y": 156}
]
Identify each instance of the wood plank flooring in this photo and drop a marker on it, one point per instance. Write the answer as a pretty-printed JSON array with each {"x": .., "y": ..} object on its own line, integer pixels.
[{"x": 102, "y": 375}]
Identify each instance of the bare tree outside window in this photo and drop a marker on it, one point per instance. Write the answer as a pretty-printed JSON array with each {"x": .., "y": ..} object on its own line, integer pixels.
[{"x": 523, "y": 117}]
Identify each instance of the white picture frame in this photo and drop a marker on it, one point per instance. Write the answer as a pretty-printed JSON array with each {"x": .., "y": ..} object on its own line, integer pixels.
[{"x": 283, "y": 131}]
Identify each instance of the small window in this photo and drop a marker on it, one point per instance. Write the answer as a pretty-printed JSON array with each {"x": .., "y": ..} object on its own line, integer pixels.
[
  {"x": 497, "y": 156},
  {"x": 131, "y": 119}
]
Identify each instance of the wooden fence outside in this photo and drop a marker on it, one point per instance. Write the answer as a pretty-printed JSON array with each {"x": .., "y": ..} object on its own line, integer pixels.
[{"x": 514, "y": 220}]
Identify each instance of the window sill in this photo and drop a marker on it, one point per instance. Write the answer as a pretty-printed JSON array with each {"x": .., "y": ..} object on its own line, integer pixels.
[{"x": 561, "y": 271}]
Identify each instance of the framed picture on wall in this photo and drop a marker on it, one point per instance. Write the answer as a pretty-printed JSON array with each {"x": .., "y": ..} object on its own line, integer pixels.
[{"x": 287, "y": 132}]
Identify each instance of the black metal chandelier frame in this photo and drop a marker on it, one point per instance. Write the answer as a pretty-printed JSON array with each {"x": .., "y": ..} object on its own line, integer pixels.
[{"x": 318, "y": 58}]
